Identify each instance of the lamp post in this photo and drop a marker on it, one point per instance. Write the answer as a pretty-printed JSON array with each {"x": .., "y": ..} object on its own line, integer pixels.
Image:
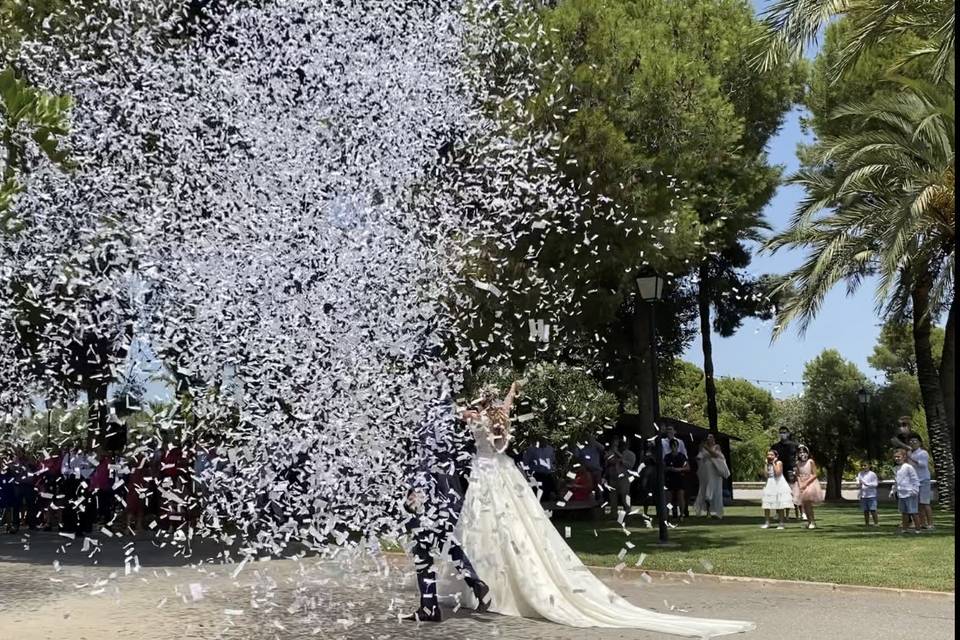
[
  {"x": 539, "y": 334},
  {"x": 863, "y": 397},
  {"x": 650, "y": 289}
]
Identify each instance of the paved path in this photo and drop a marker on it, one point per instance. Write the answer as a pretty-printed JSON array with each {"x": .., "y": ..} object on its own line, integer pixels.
[{"x": 351, "y": 598}]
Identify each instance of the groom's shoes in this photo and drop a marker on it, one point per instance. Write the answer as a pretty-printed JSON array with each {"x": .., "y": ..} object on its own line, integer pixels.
[
  {"x": 482, "y": 593},
  {"x": 431, "y": 614}
]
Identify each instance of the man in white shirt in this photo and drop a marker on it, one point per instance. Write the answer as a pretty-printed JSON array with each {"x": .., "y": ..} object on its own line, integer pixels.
[
  {"x": 671, "y": 434},
  {"x": 920, "y": 460}
]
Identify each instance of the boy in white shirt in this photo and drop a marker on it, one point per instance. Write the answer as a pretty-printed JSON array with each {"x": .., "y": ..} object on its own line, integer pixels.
[
  {"x": 907, "y": 487},
  {"x": 867, "y": 482},
  {"x": 920, "y": 460}
]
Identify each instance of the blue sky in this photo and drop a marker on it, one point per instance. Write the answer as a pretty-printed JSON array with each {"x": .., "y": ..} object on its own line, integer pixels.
[{"x": 846, "y": 323}]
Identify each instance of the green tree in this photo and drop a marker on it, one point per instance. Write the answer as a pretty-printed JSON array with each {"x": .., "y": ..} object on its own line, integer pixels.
[
  {"x": 831, "y": 423},
  {"x": 637, "y": 93},
  {"x": 894, "y": 352}
]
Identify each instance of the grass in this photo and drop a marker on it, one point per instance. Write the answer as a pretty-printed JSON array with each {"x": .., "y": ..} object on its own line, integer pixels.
[{"x": 841, "y": 550}]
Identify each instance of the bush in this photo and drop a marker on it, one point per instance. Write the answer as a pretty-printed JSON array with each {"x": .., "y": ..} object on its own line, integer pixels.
[{"x": 559, "y": 402}]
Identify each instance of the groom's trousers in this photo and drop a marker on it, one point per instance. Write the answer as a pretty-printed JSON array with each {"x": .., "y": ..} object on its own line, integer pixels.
[{"x": 424, "y": 545}]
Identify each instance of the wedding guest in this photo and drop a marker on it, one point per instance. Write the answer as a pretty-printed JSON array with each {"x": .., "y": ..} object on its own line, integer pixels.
[
  {"x": 867, "y": 483},
  {"x": 137, "y": 491},
  {"x": 906, "y": 487},
  {"x": 777, "y": 497},
  {"x": 901, "y": 439},
  {"x": 540, "y": 461},
  {"x": 712, "y": 470},
  {"x": 627, "y": 462},
  {"x": 809, "y": 491},
  {"x": 647, "y": 482},
  {"x": 920, "y": 460},
  {"x": 669, "y": 437},
  {"x": 675, "y": 466},
  {"x": 50, "y": 486},
  {"x": 582, "y": 487},
  {"x": 101, "y": 489},
  {"x": 590, "y": 456},
  {"x": 27, "y": 471},
  {"x": 9, "y": 511},
  {"x": 78, "y": 510},
  {"x": 613, "y": 471},
  {"x": 786, "y": 449}
]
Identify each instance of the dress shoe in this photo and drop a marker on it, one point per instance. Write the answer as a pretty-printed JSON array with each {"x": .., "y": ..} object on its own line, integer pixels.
[
  {"x": 424, "y": 615},
  {"x": 482, "y": 593}
]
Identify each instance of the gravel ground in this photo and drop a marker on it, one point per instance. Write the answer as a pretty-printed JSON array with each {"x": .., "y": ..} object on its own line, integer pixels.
[{"x": 354, "y": 598}]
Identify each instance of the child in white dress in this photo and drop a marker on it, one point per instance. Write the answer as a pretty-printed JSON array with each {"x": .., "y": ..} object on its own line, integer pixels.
[{"x": 776, "y": 494}]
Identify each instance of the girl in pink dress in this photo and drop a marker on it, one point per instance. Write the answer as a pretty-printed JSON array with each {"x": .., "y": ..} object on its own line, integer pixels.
[
  {"x": 137, "y": 489},
  {"x": 808, "y": 489},
  {"x": 102, "y": 490}
]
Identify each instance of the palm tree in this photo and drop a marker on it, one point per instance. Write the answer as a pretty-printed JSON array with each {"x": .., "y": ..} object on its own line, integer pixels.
[
  {"x": 879, "y": 201},
  {"x": 792, "y": 24}
]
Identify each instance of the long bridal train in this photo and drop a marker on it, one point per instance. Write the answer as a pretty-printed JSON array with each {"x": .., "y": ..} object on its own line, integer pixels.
[{"x": 530, "y": 569}]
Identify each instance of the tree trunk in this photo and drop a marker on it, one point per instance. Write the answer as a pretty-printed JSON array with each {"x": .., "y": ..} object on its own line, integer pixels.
[
  {"x": 948, "y": 374},
  {"x": 835, "y": 478},
  {"x": 929, "y": 378},
  {"x": 642, "y": 362},
  {"x": 97, "y": 412},
  {"x": 706, "y": 341}
]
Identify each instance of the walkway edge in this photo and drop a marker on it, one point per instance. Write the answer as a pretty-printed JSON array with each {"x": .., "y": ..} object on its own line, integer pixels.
[
  {"x": 833, "y": 586},
  {"x": 629, "y": 572}
]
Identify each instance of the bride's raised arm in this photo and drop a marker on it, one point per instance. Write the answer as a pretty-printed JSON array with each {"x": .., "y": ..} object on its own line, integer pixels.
[{"x": 508, "y": 401}]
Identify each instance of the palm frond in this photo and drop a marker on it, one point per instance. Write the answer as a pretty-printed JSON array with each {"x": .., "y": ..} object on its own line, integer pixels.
[{"x": 877, "y": 201}]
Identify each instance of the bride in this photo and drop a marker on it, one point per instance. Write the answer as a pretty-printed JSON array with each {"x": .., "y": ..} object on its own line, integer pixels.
[{"x": 529, "y": 568}]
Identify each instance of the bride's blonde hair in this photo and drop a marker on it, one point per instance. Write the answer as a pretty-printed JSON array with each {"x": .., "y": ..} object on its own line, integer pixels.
[{"x": 487, "y": 405}]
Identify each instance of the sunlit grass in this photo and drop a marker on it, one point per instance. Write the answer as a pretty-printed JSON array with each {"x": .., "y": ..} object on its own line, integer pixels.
[{"x": 841, "y": 550}]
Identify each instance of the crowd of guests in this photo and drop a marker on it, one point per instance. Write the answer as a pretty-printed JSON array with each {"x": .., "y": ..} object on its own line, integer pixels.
[
  {"x": 76, "y": 488},
  {"x": 792, "y": 483},
  {"x": 615, "y": 475}
]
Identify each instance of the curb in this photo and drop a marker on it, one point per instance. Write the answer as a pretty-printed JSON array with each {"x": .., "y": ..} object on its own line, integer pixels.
[
  {"x": 833, "y": 586},
  {"x": 630, "y": 572}
]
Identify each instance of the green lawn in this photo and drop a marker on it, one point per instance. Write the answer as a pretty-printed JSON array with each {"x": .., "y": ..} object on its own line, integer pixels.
[{"x": 840, "y": 550}]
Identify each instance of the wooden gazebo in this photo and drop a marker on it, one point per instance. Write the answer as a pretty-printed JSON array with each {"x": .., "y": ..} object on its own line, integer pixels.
[{"x": 639, "y": 437}]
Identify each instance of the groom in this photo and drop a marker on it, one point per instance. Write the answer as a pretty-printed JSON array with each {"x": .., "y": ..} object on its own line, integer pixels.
[{"x": 434, "y": 502}]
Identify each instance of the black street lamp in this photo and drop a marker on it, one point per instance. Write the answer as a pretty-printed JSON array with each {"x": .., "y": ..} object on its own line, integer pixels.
[
  {"x": 863, "y": 397},
  {"x": 650, "y": 288},
  {"x": 539, "y": 334}
]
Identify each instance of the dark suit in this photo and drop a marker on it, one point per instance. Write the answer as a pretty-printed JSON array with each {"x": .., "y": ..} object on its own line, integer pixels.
[
  {"x": 441, "y": 483},
  {"x": 432, "y": 530}
]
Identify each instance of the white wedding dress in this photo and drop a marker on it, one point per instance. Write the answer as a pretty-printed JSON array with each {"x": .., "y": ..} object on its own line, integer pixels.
[{"x": 531, "y": 571}]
